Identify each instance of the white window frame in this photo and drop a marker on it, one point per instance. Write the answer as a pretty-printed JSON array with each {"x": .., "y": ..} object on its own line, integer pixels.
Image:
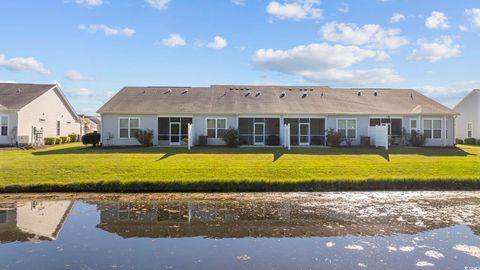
[
  {"x": 8, "y": 124},
  {"x": 441, "y": 128},
  {"x": 129, "y": 127},
  {"x": 470, "y": 124},
  {"x": 216, "y": 126},
  {"x": 346, "y": 126},
  {"x": 58, "y": 128}
]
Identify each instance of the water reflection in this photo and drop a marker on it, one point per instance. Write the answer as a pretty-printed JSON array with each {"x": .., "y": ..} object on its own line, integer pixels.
[
  {"x": 32, "y": 220},
  {"x": 403, "y": 230}
]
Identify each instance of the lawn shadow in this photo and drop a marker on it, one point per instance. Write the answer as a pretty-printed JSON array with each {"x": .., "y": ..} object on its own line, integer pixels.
[{"x": 276, "y": 152}]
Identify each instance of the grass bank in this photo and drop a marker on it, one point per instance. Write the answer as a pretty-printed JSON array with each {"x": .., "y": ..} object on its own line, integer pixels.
[{"x": 73, "y": 167}]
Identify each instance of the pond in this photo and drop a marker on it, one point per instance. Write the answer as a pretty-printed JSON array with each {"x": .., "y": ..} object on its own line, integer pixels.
[{"x": 341, "y": 230}]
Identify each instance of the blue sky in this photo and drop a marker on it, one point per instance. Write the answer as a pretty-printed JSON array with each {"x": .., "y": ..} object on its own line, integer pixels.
[{"x": 93, "y": 48}]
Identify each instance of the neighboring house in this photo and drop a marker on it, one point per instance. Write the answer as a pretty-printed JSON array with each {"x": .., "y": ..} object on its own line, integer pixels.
[
  {"x": 260, "y": 112},
  {"x": 467, "y": 124},
  {"x": 31, "y": 112},
  {"x": 89, "y": 123}
]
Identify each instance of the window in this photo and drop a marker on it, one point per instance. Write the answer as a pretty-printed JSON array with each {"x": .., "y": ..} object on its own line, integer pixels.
[
  {"x": 216, "y": 127},
  {"x": 432, "y": 129},
  {"x": 413, "y": 125},
  {"x": 58, "y": 128},
  {"x": 347, "y": 127},
  {"x": 469, "y": 130},
  {"x": 128, "y": 127},
  {"x": 3, "y": 125}
]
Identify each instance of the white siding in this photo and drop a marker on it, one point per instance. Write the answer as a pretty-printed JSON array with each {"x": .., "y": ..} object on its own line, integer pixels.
[
  {"x": 200, "y": 126},
  {"x": 12, "y": 125},
  {"x": 110, "y": 124},
  {"x": 469, "y": 113},
  {"x": 50, "y": 107}
]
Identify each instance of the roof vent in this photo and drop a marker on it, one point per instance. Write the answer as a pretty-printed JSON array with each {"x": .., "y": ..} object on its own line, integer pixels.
[
  {"x": 168, "y": 91},
  {"x": 231, "y": 89},
  {"x": 258, "y": 93},
  {"x": 305, "y": 95},
  {"x": 247, "y": 94},
  {"x": 185, "y": 91},
  {"x": 359, "y": 93},
  {"x": 311, "y": 89},
  {"x": 283, "y": 94},
  {"x": 321, "y": 95},
  {"x": 19, "y": 91},
  {"x": 375, "y": 93},
  {"x": 411, "y": 96},
  {"x": 289, "y": 89}
]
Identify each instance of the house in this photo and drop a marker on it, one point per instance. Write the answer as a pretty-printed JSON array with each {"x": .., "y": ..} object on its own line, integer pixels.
[
  {"x": 31, "y": 112},
  {"x": 467, "y": 124},
  {"x": 89, "y": 123},
  {"x": 260, "y": 113}
]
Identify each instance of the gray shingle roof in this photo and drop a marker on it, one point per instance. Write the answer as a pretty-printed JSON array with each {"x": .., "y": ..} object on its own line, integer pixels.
[
  {"x": 269, "y": 99},
  {"x": 14, "y": 96}
]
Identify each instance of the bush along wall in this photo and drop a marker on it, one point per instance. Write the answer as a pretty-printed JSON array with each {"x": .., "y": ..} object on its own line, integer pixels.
[
  {"x": 470, "y": 141},
  {"x": 50, "y": 141}
]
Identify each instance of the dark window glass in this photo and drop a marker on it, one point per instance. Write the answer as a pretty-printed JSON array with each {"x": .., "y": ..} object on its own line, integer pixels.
[
  {"x": 375, "y": 122},
  {"x": 4, "y": 131},
  {"x": 259, "y": 120},
  {"x": 175, "y": 119},
  {"x": 163, "y": 127},
  {"x": 186, "y": 120},
  {"x": 163, "y": 137},
  {"x": 221, "y": 133},
  {"x": 396, "y": 127},
  {"x": 245, "y": 126},
  {"x": 272, "y": 126},
  {"x": 211, "y": 133},
  {"x": 427, "y": 133},
  {"x": 273, "y": 140},
  {"x": 293, "y": 126},
  {"x": 317, "y": 140},
  {"x": 293, "y": 140},
  {"x": 317, "y": 126},
  {"x": 124, "y": 133},
  {"x": 184, "y": 128},
  {"x": 246, "y": 140},
  {"x": 385, "y": 121},
  {"x": 304, "y": 120}
]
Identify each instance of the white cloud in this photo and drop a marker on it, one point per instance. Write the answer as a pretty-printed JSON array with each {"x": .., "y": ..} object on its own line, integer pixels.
[
  {"x": 439, "y": 48},
  {"x": 76, "y": 76},
  {"x": 7, "y": 81},
  {"x": 474, "y": 16},
  {"x": 174, "y": 40},
  {"x": 80, "y": 92},
  {"x": 238, "y": 2},
  {"x": 437, "y": 20},
  {"x": 344, "y": 8},
  {"x": 23, "y": 64},
  {"x": 449, "y": 94},
  {"x": 372, "y": 35},
  {"x": 296, "y": 9},
  {"x": 463, "y": 28},
  {"x": 321, "y": 62},
  {"x": 89, "y": 3},
  {"x": 397, "y": 17},
  {"x": 158, "y": 4},
  {"x": 217, "y": 43},
  {"x": 107, "y": 30}
]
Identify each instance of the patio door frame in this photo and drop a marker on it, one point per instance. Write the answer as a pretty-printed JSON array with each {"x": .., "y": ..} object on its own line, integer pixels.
[
  {"x": 306, "y": 135},
  {"x": 179, "y": 124},
  {"x": 255, "y": 133}
]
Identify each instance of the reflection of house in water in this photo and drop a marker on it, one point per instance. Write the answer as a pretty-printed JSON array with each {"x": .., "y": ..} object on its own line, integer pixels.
[
  {"x": 235, "y": 220},
  {"x": 32, "y": 220}
]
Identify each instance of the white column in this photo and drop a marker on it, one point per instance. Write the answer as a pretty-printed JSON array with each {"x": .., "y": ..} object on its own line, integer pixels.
[{"x": 444, "y": 131}]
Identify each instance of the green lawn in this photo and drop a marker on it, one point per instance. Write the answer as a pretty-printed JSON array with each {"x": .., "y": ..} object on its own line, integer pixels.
[{"x": 77, "y": 166}]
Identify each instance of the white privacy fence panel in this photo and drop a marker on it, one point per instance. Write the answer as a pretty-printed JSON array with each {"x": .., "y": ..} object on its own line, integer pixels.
[
  {"x": 190, "y": 136},
  {"x": 379, "y": 136},
  {"x": 286, "y": 137}
]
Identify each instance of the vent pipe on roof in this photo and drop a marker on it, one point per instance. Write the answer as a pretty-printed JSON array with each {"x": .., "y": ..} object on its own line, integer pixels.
[
  {"x": 258, "y": 93},
  {"x": 305, "y": 95},
  {"x": 168, "y": 91},
  {"x": 185, "y": 91},
  {"x": 19, "y": 91},
  {"x": 321, "y": 95},
  {"x": 359, "y": 93},
  {"x": 411, "y": 96},
  {"x": 375, "y": 93},
  {"x": 283, "y": 94},
  {"x": 247, "y": 94}
]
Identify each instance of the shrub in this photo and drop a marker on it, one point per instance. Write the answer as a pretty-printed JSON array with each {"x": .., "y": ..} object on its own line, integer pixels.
[
  {"x": 91, "y": 138},
  {"x": 73, "y": 137},
  {"x": 145, "y": 137},
  {"x": 231, "y": 137},
  {"x": 50, "y": 141},
  {"x": 334, "y": 138},
  {"x": 470, "y": 141},
  {"x": 59, "y": 141},
  {"x": 458, "y": 141},
  {"x": 417, "y": 138},
  {"x": 65, "y": 139}
]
